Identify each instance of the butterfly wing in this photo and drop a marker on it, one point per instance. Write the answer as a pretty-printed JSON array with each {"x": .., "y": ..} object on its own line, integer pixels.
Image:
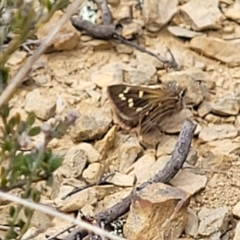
[{"x": 138, "y": 105}]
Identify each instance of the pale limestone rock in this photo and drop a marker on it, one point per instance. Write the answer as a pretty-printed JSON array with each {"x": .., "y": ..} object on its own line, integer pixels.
[
  {"x": 161, "y": 213},
  {"x": 43, "y": 107}
]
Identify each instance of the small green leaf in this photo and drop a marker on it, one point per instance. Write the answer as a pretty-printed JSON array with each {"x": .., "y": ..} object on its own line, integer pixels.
[
  {"x": 4, "y": 182},
  {"x": 35, "y": 195},
  {"x": 5, "y": 111},
  {"x": 31, "y": 118},
  {"x": 54, "y": 163},
  {"x": 4, "y": 74},
  {"x": 11, "y": 235},
  {"x": 12, "y": 211},
  {"x": 3, "y": 177},
  {"x": 22, "y": 127},
  {"x": 21, "y": 223},
  {"x": 19, "y": 160},
  {"x": 28, "y": 212},
  {"x": 7, "y": 146},
  {"x": 14, "y": 121},
  {"x": 50, "y": 181},
  {"x": 14, "y": 177},
  {"x": 34, "y": 131},
  {"x": 48, "y": 5}
]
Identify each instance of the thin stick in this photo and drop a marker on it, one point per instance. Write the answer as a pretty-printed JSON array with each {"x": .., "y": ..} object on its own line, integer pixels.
[
  {"x": 21, "y": 74},
  {"x": 165, "y": 175},
  {"x": 50, "y": 211}
]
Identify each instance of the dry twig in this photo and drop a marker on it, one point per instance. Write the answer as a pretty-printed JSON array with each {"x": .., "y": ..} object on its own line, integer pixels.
[
  {"x": 176, "y": 162},
  {"x": 111, "y": 31}
]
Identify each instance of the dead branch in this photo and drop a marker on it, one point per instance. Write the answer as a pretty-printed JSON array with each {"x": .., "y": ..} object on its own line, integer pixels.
[
  {"x": 106, "y": 13},
  {"x": 176, "y": 162},
  {"x": 110, "y": 31},
  {"x": 100, "y": 182}
]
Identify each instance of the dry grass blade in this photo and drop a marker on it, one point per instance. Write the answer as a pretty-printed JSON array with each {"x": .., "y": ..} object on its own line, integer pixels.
[{"x": 50, "y": 211}]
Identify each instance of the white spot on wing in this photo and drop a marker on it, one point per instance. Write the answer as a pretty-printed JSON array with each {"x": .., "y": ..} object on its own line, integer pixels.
[
  {"x": 130, "y": 104},
  {"x": 130, "y": 100},
  {"x": 140, "y": 94},
  {"x": 126, "y": 90},
  {"x": 122, "y": 97}
]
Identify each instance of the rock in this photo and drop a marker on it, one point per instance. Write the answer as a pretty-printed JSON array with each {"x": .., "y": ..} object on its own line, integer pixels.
[
  {"x": 130, "y": 30},
  {"x": 204, "y": 109},
  {"x": 41, "y": 221},
  {"x": 174, "y": 124},
  {"x": 210, "y": 218},
  {"x": 141, "y": 167},
  {"x": 192, "y": 157},
  {"x": 189, "y": 181},
  {"x": 217, "y": 163},
  {"x": 61, "y": 105},
  {"x": 109, "y": 74},
  {"x": 87, "y": 211},
  {"x": 213, "y": 119},
  {"x": 218, "y": 49},
  {"x": 95, "y": 96},
  {"x": 183, "y": 32},
  {"x": 226, "y": 106},
  {"x": 121, "y": 48},
  {"x": 236, "y": 210},
  {"x": 142, "y": 75},
  {"x": 114, "y": 3},
  {"x": 237, "y": 232},
  {"x": 233, "y": 12},
  {"x": 188, "y": 78},
  {"x": 43, "y": 107},
  {"x": 151, "y": 139},
  {"x": 156, "y": 13},
  {"x": 123, "y": 13},
  {"x": 237, "y": 122},
  {"x": 150, "y": 223},
  {"x": 166, "y": 145},
  {"x": 74, "y": 163},
  {"x": 88, "y": 196},
  {"x": 106, "y": 143},
  {"x": 98, "y": 44},
  {"x": 192, "y": 224},
  {"x": 202, "y": 8},
  {"x": 78, "y": 200},
  {"x": 160, "y": 164},
  {"x": 228, "y": 29},
  {"x": 112, "y": 199},
  {"x": 92, "y": 154},
  {"x": 93, "y": 173},
  {"x": 93, "y": 123},
  {"x": 86, "y": 38},
  {"x": 17, "y": 58},
  {"x": 122, "y": 180},
  {"x": 66, "y": 39},
  {"x": 128, "y": 153},
  {"x": 225, "y": 146},
  {"x": 215, "y": 132},
  {"x": 143, "y": 58},
  {"x": 63, "y": 191}
]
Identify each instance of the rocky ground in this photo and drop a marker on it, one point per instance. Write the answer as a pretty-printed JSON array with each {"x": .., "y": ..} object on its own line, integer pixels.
[{"x": 204, "y": 38}]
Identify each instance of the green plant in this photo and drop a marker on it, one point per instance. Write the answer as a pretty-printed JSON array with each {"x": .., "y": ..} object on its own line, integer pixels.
[
  {"x": 21, "y": 162},
  {"x": 20, "y": 167}
]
